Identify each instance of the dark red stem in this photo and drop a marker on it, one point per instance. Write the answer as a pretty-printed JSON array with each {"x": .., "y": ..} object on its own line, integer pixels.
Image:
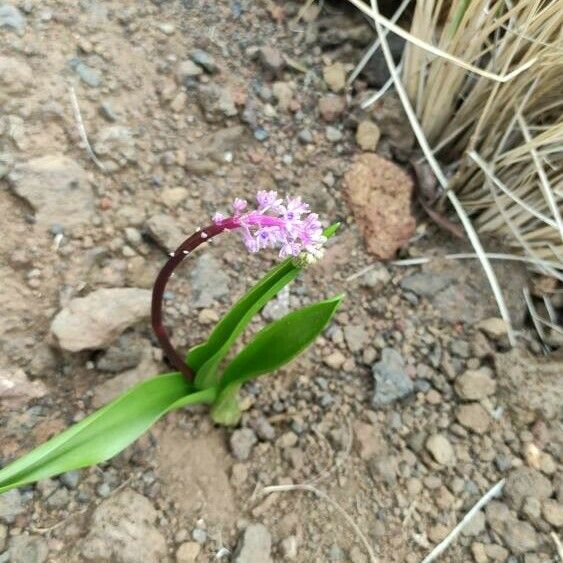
[{"x": 185, "y": 249}]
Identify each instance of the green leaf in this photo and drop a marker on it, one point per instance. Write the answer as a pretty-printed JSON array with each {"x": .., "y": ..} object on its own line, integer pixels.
[
  {"x": 105, "y": 432},
  {"x": 205, "y": 358},
  {"x": 280, "y": 342}
]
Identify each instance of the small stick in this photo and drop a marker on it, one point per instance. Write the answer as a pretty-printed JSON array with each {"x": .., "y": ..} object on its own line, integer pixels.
[
  {"x": 82, "y": 130},
  {"x": 444, "y": 544}
]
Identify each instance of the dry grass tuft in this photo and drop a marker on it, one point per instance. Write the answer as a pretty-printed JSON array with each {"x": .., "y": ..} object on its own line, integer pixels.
[{"x": 482, "y": 81}]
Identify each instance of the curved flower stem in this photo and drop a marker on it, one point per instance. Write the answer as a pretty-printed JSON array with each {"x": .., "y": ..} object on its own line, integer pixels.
[{"x": 176, "y": 257}]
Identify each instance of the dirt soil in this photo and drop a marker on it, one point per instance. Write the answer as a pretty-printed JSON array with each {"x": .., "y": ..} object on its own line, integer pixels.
[{"x": 406, "y": 411}]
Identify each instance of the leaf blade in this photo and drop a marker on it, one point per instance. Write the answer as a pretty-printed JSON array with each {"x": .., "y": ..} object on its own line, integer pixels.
[
  {"x": 104, "y": 433},
  {"x": 280, "y": 342}
]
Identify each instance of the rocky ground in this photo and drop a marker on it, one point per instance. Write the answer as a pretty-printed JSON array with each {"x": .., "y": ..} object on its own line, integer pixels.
[{"x": 409, "y": 408}]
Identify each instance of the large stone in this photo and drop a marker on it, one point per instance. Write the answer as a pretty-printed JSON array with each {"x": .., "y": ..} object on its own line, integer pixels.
[
  {"x": 379, "y": 193},
  {"x": 16, "y": 389},
  {"x": 96, "y": 321},
  {"x": 57, "y": 188},
  {"x": 28, "y": 549},
  {"x": 254, "y": 546},
  {"x": 122, "y": 530},
  {"x": 391, "y": 381}
]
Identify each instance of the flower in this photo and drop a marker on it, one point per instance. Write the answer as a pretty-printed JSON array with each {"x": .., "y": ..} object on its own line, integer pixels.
[{"x": 276, "y": 223}]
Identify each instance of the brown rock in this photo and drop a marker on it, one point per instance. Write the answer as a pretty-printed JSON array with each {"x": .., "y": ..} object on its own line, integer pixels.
[
  {"x": 474, "y": 385},
  {"x": 379, "y": 193},
  {"x": 367, "y": 135},
  {"x": 335, "y": 77},
  {"x": 16, "y": 389},
  {"x": 370, "y": 441},
  {"x": 474, "y": 417}
]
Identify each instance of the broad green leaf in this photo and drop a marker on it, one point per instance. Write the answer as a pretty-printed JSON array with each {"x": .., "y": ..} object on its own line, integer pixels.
[
  {"x": 205, "y": 358},
  {"x": 280, "y": 342},
  {"x": 105, "y": 432}
]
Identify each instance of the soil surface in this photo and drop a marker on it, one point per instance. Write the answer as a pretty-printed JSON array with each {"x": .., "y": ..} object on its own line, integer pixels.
[{"x": 407, "y": 410}]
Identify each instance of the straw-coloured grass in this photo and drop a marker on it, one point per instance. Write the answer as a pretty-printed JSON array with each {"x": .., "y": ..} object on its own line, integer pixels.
[{"x": 493, "y": 119}]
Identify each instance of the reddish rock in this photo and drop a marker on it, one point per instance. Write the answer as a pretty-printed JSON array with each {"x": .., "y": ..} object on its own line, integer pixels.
[{"x": 379, "y": 194}]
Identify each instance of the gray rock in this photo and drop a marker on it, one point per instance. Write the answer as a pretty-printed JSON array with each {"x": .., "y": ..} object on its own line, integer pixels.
[
  {"x": 526, "y": 482},
  {"x": 165, "y": 231},
  {"x": 70, "y": 479},
  {"x": 305, "y": 137},
  {"x": 376, "y": 71},
  {"x": 90, "y": 76},
  {"x": 16, "y": 389},
  {"x": 59, "y": 499},
  {"x": 209, "y": 281},
  {"x": 242, "y": 441},
  {"x": 11, "y": 506},
  {"x": 391, "y": 381},
  {"x": 12, "y": 18},
  {"x": 278, "y": 307},
  {"x": 125, "y": 354},
  {"x": 333, "y": 134},
  {"x": 122, "y": 530},
  {"x": 264, "y": 429},
  {"x": 254, "y": 546},
  {"x": 57, "y": 188},
  {"x": 28, "y": 549},
  {"x": 205, "y": 60},
  {"x": 425, "y": 284},
  {"x": 199, "y": 535},
  {"x": 216, "y": 102},
  {"x": 96, "y": 321}
]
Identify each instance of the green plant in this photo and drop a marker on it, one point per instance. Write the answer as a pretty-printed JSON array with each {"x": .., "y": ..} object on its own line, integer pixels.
[{"x": 201, "y": 378}]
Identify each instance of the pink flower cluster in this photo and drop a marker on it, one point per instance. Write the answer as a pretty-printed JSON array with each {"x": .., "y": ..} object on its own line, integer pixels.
[{"x": 275, "y": 223}]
